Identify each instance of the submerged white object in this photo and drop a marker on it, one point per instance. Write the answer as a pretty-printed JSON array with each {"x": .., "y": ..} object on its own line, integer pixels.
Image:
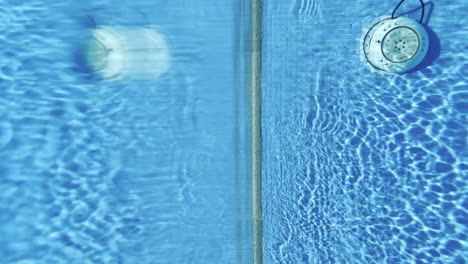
[
  {"x": 395, "y": 45},
  {"x": 127, "y": 52}
]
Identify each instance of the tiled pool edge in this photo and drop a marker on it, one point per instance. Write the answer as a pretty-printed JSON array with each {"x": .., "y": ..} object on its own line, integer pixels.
[{"x": 256, "y": 34}]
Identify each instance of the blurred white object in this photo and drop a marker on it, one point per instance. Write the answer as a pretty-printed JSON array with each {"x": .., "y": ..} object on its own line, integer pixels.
[{"x": 127, "y": 52}]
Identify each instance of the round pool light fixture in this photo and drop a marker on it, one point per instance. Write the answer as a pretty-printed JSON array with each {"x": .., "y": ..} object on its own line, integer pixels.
[
  {"x": 396, "y": 45},
  {"x": 126, "y": 52}
]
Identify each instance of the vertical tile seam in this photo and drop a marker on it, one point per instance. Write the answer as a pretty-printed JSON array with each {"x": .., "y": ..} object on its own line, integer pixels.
[{"x": 256, "y": 35}]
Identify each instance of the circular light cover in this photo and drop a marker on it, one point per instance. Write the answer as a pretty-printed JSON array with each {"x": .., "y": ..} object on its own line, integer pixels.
[
  {"x": 395, "y": 45},
  {"x": 97, "y": 54},
  {"x": 115, "y": 52},
  {"x": 400, "y": 44}
]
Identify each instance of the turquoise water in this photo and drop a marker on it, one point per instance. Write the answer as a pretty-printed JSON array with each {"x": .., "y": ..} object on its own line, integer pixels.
[
  {"x": 360, "y": 167},
  {"x": 127, "y": 171}
]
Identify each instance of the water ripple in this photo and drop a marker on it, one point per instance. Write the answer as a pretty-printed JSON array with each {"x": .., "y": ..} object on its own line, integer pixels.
[
  {"x": 362, "y": 168},
  {"x": 306, "y": 10}
]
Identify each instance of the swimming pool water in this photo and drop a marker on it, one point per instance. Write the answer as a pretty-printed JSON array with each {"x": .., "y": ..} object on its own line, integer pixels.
[
  {"x": 128, "y": 171},
  {"x": 360, "y": 167},
  {"x": 357, "y": 167}
]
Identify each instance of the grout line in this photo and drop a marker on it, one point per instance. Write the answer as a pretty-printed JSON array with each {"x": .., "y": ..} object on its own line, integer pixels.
[{"x": 256, "y": 35}]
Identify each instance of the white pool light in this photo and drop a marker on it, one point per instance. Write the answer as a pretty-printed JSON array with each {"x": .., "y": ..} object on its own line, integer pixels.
[
  {"x": 127, "y": 52},
  {"x": 395, "y": 45}
]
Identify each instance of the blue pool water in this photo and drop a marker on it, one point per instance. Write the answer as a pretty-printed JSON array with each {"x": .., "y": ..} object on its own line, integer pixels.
[
  {"x": 360, "y": 167},
  {"x": 126, "y": 171},
  {"x": 357, "y": 167}
]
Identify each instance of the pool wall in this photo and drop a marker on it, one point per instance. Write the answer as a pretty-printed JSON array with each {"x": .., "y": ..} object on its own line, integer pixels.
[
  {"x": 360, "y": 167},
  {"x": 129, "y": 171}
]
